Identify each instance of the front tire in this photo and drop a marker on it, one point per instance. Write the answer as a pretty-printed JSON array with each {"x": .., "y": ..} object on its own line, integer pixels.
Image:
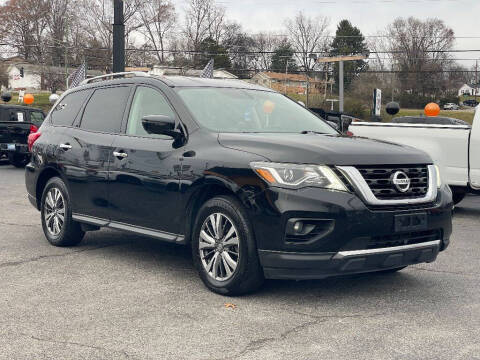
[
  {"x": 56, "y": 213},
  {"x": 224, "y": 249}
]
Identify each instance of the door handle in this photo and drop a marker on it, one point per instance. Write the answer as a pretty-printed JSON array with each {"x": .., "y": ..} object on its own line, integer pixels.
[
  {"x": 65, "y": 146},
  {"x": 120, "y": 155}
]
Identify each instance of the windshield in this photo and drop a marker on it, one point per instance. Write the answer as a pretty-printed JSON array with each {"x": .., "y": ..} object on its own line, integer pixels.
[{"x": 241, "y": 110}]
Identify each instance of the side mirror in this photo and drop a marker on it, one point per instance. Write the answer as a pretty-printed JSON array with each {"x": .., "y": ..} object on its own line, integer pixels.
[{"x": 161, "y": 125}]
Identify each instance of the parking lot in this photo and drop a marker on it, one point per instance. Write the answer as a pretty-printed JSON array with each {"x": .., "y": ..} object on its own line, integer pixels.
[{"x": 123, "y": 296}]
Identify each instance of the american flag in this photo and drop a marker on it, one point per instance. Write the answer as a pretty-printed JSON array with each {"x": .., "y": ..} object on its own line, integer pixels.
[
  {"x": 77, "y": 76},
  {"x": 208, "y": 71}
]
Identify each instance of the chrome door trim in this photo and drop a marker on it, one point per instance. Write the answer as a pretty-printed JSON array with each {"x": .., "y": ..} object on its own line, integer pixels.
[{"x": 120, "y": 154}]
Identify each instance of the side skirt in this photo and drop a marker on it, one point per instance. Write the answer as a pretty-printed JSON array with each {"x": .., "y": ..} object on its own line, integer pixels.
[{"x": 157, "y": 234}]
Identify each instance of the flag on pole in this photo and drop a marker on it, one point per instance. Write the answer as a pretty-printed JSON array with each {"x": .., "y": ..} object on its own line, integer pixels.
[
  {"x": 208, "y": 71},
  {"x": 77, "y": 76}
]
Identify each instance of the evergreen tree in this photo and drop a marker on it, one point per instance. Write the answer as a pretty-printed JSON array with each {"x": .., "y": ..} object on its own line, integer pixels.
[
  {"x": 211, "y": 49},
  {"x": 348, "y": 40},
  {"x": 283, "y": 53}
]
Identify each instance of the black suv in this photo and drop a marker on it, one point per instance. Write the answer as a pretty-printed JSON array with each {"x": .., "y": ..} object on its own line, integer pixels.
[{"x": 256, "y": 184}]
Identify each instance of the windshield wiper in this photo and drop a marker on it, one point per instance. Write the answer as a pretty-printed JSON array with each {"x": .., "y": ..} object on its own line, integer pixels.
[{"x": 312, "y": 132}]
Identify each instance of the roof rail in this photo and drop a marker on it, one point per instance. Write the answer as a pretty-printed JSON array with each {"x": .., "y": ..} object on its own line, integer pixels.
[{"x": 115, "y": 75}]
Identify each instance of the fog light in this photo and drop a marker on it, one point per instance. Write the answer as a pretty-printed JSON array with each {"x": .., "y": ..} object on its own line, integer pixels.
[{"x": 298, "y": 227}]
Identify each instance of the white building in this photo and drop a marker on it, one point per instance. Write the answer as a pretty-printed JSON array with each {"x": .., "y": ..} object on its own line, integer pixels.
[
  {"x": 35, "y": 76},
  {"x": 470, "y": 90}
]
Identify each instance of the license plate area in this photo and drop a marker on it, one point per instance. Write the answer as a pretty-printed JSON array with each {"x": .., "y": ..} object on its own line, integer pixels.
[{"x": 411, "y": 222}]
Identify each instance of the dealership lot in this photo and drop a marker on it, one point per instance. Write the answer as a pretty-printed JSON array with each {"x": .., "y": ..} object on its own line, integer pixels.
[{"x": 123, "y": 296}]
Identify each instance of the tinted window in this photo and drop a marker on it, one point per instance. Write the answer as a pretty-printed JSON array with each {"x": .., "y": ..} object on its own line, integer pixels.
[
  {"x": 104, "y": 111},
  {"x": 66, "y": 111},
  {"x": 36, "y": 117},
  {"x": 16, "y": 115},
  {"x": 147, "y": 101}
]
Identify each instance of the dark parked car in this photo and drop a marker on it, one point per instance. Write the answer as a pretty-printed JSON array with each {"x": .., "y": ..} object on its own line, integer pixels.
[
  {"x": 435, "y": 120},
  {"x": 470, "y": 102},
  {"x": 16, "y": 123},
  {"x": 256, "y": 185}
]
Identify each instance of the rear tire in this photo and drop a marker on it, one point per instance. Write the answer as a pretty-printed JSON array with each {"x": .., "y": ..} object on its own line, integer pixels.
[
  {"x": 18, "y": 160},
  {"x": 226, "y": 256},
  {"x": 56, "y": 213}
]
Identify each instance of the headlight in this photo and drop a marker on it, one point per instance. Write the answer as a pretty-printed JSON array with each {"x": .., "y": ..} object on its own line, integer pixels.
[
  {"x": 295, "y": 176},
  {"x": 439, "y": 178}
]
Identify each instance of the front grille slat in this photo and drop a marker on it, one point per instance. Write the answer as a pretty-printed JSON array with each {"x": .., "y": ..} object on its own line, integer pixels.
[
  {"x": 379, "y": 179},
  {"x": 392, "y": 240}
]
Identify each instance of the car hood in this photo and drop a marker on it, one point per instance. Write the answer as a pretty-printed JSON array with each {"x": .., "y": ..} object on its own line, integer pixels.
[{"x": 323, "y": 149}]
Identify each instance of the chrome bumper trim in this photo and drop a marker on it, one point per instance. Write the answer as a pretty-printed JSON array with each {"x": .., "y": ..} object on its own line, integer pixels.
[
  {"x": 352, "y": 253},
  {"x": 363, "y": 190}
]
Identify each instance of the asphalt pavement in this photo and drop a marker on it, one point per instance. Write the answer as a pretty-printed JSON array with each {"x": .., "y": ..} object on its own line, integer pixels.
[{"x": 121, "y": 296}]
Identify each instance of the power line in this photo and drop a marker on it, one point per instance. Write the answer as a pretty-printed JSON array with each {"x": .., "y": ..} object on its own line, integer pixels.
[{"x": 249, "y": 52}]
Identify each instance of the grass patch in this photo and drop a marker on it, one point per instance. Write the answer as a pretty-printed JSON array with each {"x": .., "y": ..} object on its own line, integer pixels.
[{"x": 41, "y": 101}]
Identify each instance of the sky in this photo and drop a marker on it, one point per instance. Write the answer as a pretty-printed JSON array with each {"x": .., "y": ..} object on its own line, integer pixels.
[{"x": 370, "y": 16}]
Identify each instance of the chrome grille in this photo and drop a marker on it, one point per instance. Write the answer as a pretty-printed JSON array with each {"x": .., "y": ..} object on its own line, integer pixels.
[{"x": 379, "y": 179}]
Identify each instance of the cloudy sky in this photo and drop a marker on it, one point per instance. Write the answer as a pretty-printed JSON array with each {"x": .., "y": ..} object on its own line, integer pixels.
[{"x": 463, "y": 16}]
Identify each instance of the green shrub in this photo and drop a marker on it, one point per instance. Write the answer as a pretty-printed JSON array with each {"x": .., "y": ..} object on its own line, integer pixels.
[{"x": 356, "y": 108}]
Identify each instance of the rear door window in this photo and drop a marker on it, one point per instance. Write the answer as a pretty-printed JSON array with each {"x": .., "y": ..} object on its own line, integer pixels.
[
  {"x": 105, "y": 109},
  {"x": 66, "y": 111}
]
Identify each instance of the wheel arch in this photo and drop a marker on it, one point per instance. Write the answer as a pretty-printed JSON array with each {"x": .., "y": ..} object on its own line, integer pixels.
[
  {"x": 42, "y": 181},
  {"x": 205, "y": 192}
]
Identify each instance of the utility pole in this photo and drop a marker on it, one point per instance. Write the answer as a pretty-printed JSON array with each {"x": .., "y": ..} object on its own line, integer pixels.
[
  {"x": 340, "y": 86},
  {"x": 340, "y": 60},
  {"x": 118, "y": 37},
  {"x": 286, "y": 75},
  {"x": 476, "y": 80}
]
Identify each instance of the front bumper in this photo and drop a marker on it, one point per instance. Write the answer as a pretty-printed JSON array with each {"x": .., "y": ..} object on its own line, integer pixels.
[
  {"x": 304, "y": 266},
  {"x": 357, "y": 239}
]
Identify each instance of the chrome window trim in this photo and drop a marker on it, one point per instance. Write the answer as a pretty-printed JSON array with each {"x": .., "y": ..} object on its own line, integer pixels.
[
  {"x": 363, "y": 190},
  {"x": 351, "y": 253}
]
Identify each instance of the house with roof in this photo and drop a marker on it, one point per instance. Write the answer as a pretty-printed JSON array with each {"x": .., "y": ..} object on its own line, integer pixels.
[
  {"x": 469, "y": 90},
  {"x": 23, "y": 75},
  {"x": 290, "y": 83}
]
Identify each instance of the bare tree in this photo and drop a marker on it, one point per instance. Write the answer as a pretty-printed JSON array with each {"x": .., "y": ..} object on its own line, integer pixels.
[
  {"x": 264, "y": 45},
  {"x": 203, "y": 19},
  {"x": 98, "y": 19},
  {"x": 158, "y": 18},
  {"x": 420, "y": 52},
  {"x": 23, "y": 24},
  {"x": 307, "y": 35},
  {"x": 58, "y": 16}
]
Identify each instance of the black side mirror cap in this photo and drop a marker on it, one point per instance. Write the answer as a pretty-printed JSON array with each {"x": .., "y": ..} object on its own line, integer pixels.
[{"x": 160, "y": 125}]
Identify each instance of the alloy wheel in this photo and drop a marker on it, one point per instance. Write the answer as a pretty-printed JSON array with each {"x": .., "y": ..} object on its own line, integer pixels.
[
  {"x": 54, "y": 213},
  {"x": 219, "y": 247}
]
